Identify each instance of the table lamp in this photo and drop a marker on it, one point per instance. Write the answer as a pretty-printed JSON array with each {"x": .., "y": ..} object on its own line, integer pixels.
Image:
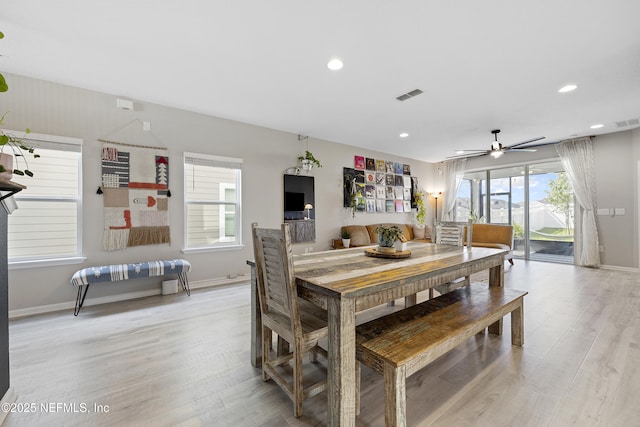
[{"x": 308, "y": 207}]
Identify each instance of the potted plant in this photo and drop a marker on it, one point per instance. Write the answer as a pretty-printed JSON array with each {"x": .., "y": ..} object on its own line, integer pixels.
[
  {"x": 346, "y": 238},
  {"x": 308, "y": 161},
  {"x": 387, "y": 236},
  {"x": 13, "y": 147}
]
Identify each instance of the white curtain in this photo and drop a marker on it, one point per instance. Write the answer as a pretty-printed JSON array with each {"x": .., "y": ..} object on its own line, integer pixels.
[
  {"x": 577, "y": 159},
  {"x": 453, "y": 173}
]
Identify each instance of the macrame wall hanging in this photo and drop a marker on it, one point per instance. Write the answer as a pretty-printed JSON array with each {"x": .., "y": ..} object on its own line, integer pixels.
[{"x": 135, "y": 188}]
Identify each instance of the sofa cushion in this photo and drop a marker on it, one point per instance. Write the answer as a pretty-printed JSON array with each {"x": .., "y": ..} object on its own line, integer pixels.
[
  {"x": 359, "y": 235},
  {"x": 491, "y": 245},
  {"x": 421, "y": 233}
]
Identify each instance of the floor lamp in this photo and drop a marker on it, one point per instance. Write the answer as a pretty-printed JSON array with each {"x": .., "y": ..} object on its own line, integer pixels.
[{"x": 435, "y": 196}]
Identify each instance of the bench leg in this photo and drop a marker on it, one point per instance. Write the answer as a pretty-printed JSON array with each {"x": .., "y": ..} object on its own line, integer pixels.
[
  {"x": 395, "y": 400},
  {"x": 182, "y": 277},
  {"x": 517, "y": 325},
  {"x": 410, "y": 300},
  {"x": 80, "y": 298}
]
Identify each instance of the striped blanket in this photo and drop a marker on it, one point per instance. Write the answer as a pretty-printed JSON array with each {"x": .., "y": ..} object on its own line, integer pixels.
[{"x": 112, "y": 273}]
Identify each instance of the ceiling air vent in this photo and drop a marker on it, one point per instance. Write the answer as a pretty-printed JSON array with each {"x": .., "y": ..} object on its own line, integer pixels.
[
  {"x": 409, "y": 95},
  {"x": 630, "y": 122}
]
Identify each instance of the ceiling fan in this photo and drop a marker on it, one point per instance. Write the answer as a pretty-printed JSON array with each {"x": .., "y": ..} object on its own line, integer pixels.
[{"x": 497, "y": 149}]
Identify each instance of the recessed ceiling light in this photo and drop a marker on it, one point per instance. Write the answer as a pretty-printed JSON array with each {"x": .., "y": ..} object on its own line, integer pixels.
[
  {"x": 404, "y": 135},
  {"x": 598, "y": 126},
  {"x": 335, "y": 64},
  {"x": 567, "y": 88}
]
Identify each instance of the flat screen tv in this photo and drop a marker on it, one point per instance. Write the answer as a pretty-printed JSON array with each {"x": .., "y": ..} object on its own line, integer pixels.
[{"x": 293, "y": 201}]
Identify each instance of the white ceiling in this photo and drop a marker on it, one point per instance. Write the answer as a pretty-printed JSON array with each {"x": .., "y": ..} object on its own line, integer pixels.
[{"x": 481, "y": 64}]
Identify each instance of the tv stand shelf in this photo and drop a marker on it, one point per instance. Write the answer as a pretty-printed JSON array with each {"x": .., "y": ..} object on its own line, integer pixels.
[{"x": 302, "y": 230}]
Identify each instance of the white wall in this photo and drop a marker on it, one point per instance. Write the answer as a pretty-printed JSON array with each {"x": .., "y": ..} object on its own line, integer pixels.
[{"x": 54, "y": 109}]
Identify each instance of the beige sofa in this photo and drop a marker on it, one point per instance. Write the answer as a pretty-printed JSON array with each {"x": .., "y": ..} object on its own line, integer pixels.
[
  {"x": 484, "y": 235},
  {"x": 365, "y": 235}
]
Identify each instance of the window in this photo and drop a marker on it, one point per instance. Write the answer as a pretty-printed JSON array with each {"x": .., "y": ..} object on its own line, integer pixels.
[
  {"x": 47, "y": 224},
  {"x": 212, "y": 202}
]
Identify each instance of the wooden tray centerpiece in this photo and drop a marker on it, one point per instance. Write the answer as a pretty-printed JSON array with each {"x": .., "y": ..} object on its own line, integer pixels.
[{"x": 376, "y": 253}]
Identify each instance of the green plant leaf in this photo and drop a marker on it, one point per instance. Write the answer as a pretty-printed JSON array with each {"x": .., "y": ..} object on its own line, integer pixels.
[
  {"x": 2, "y": 169},
  {"x": 28, "y": 172},
  {"x": 3, "y": 84},
  {"x": 4, "y": 139},
  {"x": 36, "y": 156},
  {"x": 18, "y": 172}
]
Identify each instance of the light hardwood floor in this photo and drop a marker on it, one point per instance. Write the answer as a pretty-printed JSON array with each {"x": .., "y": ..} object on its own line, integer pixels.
[{"x": 178, "y": 360}]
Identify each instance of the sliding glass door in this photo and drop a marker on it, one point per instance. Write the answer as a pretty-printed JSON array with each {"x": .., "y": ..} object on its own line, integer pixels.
[
  {"x": 550, "y": 227},
  {"x": 536, "y": 199}
]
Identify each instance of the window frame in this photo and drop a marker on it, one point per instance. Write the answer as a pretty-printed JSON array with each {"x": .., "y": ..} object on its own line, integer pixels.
[
  {"x": 215, "y": 161},
  {"x": 53, "y": 142}
]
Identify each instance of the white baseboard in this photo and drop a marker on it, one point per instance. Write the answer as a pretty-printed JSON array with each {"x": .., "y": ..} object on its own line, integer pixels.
[
  {"x": 618, "y": 268},
  {"x": 70, "y": 305},
  {"x": 9, "y": 397}
]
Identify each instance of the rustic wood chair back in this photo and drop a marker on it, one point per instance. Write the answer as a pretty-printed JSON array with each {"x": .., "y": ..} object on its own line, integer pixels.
[
  {"x": 456, "y": 234},
  {"x": 300, "y": 327},
  {"x": 274, "y": 266}
]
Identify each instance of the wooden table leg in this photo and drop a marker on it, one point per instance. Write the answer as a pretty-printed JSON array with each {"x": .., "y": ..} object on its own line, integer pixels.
[
  {"x": 496, "y": 278},
  {"x": 341, "y": 381}
]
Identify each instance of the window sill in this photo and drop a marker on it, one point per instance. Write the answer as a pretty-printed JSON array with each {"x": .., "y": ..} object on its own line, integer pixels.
[
  {"x": 212, "y": 249},
  {"x": 47, "y": 262}
]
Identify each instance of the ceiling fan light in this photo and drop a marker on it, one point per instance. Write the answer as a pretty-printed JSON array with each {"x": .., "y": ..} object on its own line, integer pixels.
[{"x": 496, "y": 154}]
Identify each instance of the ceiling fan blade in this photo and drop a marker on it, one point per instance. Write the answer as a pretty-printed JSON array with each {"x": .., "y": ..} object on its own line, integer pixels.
[
  {"x": 462, "y": 156},
  {"x": 530, "y": 150},
  {"x": 526, "y": 142},
  {"x": 541, "y": 144}
]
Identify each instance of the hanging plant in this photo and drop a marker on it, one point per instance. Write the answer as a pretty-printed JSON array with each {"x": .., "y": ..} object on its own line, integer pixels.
[
  {"x": 15, "y": 149},
  {"x": 421, "y": 213},
  {"x": 3, "y": 83},
  {"x": 15, "y": 145},
  {"x": 308, "y": 158}
]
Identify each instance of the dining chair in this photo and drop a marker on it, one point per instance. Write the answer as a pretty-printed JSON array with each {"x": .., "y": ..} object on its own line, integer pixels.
[
  {"x": 456, "y": 234},
  {"x": 296, "y": 321}
]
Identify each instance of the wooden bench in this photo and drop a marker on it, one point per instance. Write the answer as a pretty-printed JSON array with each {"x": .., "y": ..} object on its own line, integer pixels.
[
  {"x": 401, "y": 343},
  {"x": 113, "y": 273}
]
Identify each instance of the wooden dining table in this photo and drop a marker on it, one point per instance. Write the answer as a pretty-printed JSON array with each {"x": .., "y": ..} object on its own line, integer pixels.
[{"x": 346, "y": 281}]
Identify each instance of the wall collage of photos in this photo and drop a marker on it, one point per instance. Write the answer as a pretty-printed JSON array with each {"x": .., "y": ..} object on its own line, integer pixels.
[{"x": 379, "y": 186}]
